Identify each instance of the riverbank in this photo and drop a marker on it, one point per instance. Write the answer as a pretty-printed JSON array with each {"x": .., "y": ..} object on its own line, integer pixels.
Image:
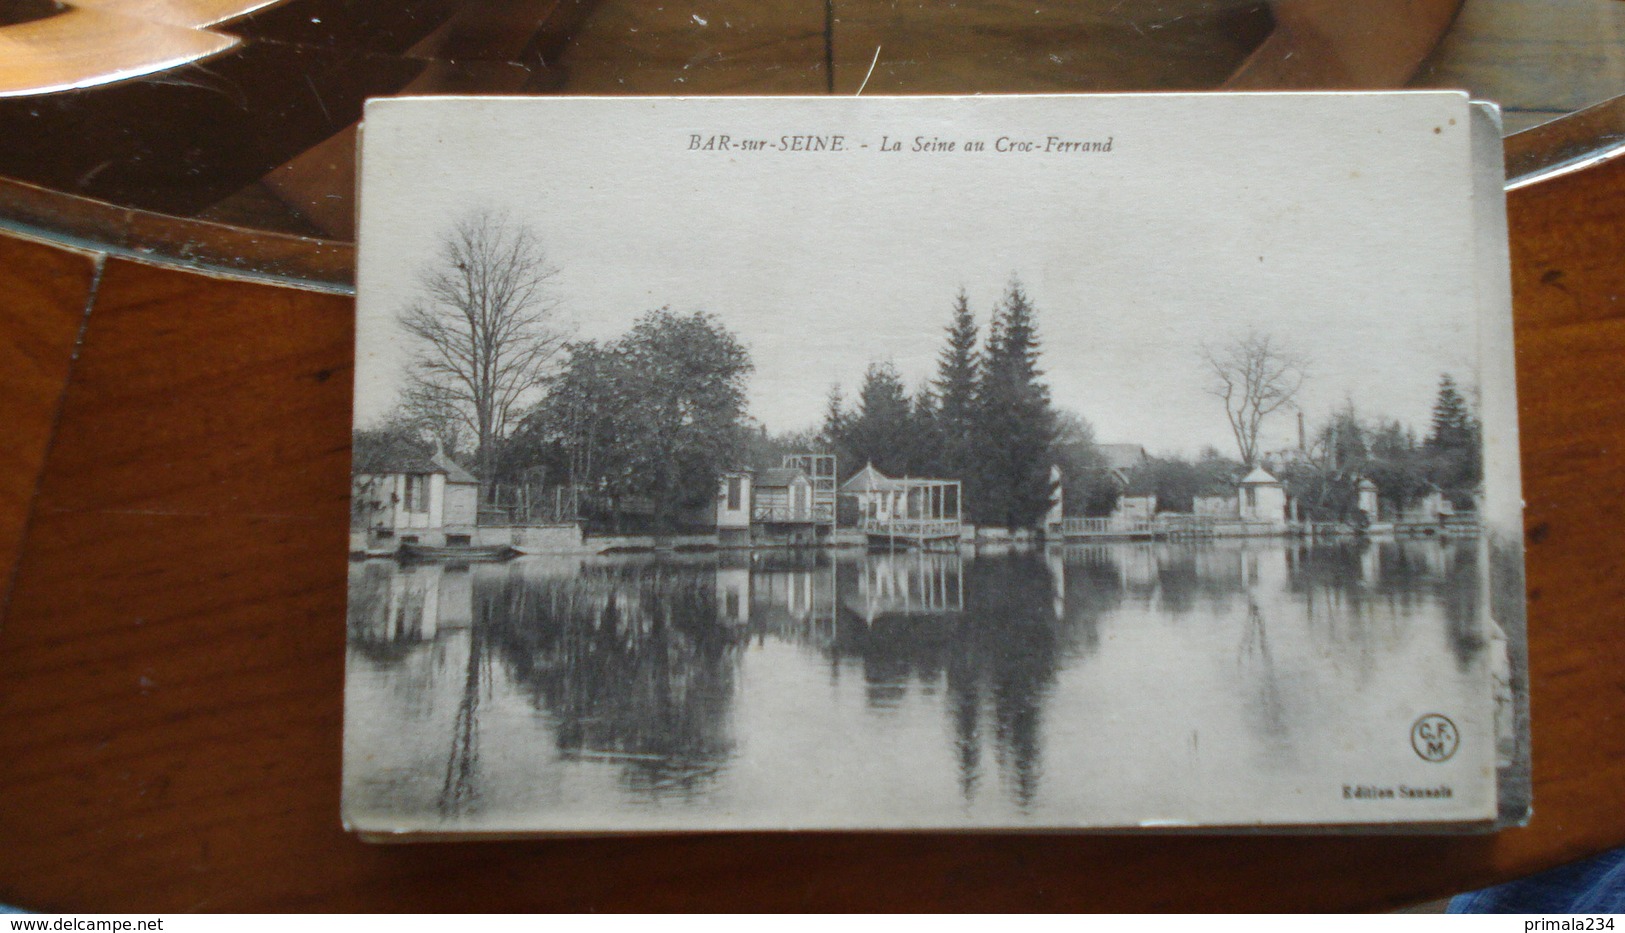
[{"x": 566, "y": 538}]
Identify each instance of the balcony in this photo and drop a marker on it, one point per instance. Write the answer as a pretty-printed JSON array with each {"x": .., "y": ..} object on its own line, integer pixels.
[{"x": 821, "y": 514}]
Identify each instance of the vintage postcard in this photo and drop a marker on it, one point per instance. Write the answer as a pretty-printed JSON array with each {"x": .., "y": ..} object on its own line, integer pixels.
[{"x": 1012, "y": 463}]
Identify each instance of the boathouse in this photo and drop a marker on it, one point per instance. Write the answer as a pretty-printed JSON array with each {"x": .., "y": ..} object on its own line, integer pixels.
[
  {"x": 782, "y": 496},
  {"x": 775, "y": 506},
  {"x": 402, "y": 496},
  {"x": 906, "y": 511}
]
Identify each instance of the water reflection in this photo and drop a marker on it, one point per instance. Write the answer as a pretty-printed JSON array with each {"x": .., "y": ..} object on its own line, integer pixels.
[
  {"x": 1080, "y": 683},
  {"x": 635, "y": 664}
]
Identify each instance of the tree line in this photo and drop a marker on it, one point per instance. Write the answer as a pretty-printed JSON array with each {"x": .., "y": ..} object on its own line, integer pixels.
[
  {"x": 638, "y": 427},
  {"x": 985, "y": 418},
  {"x": 1340, "y": 450},
  {"x": 1348, "y": 446}
]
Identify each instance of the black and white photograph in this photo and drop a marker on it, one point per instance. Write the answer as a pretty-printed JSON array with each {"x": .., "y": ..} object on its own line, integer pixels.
[{"x": 1018, "y": 463}]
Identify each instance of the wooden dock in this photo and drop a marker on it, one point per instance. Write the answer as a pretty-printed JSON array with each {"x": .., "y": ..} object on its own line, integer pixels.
[
  {"x": 891, "y": 534},
  {"x": 1106, "y": 529},
  {"x": 1165, "y": 527}
]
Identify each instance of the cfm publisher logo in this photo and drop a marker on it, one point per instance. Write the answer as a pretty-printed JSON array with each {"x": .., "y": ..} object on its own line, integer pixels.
[{"x": 1435, "y": 738}]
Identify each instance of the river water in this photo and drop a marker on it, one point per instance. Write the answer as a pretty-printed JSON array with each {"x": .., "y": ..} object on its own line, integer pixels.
[{"x": 1124, "y": 684}]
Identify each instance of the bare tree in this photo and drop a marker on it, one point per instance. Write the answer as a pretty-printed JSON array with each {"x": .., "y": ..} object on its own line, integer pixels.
[
  {"x": 424, "y": 411},
  {"x": 485, "y": 328},
  {"x": 1255, "y": 376}
]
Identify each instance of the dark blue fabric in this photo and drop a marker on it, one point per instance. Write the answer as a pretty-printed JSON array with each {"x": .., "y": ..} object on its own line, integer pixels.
[{"x": 1594, "y": 886}]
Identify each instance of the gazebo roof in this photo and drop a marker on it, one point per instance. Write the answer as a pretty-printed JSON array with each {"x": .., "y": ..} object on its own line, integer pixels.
[
  {"x": 1260, "y": 477},
  {"x": 870, "y": 479}
]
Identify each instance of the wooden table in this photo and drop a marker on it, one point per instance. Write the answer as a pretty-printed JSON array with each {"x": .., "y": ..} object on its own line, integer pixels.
[{"x": 173, "y": 498}]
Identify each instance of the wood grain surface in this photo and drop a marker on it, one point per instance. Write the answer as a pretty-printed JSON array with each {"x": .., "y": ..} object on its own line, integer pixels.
[
  {"x": 1336, "y": 45},
  {"x": 908, "y": 46},
  {"x": 46, "y": 293},
  {"x": 1537, "y": 59},
  {"x": 170, "y": 715}
]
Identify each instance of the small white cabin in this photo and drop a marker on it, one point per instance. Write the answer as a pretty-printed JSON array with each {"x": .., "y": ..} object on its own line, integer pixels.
[
  {"x": 880, "y": 498},
  {"x": 1262, "y": 498},
  {"x": 1436, "y": 506},
  {"x": 420, "y": 499},
  {"x": 782, "y": 496},
  {"x": 1366, "y": 498},
  {"x": 778, "y": 503},
  {"x": 733, "y": 500},
  {"x": 1433, "y": 508}
]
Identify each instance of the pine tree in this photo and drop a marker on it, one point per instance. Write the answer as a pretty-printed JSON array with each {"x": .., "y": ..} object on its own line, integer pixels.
[
  {"x": 880, "y": 430},
  {"x": 832, "y": 436},
  {"x": 835, "y": 417},
  {"x": 924, "y": 444},
  {"x": 955, "y": 387},
  {"x": 1017, "y": 425},
  {"x": 1455, "y": 443},
  {"x": 1346, "y": 438},
  {"x": 1452, "y": 421}
]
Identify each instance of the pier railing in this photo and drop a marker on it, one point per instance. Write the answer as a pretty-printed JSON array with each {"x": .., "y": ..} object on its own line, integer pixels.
[
  {"x": 912, "y": 528},
  {"x": 1186, "y": 526},
  {"x": 1077, "y": 527},
  {"x": 1165, "y": 525},
  {"x": 821, "y": 513}
]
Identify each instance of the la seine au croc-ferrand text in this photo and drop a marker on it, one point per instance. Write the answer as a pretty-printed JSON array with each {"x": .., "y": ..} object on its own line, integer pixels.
[{"x": 838, "y": 142}]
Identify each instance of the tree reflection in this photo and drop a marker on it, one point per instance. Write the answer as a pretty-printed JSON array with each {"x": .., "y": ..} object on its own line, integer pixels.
[
  {"x": 1270, "y": 705},
  {"x": 1195, "y": 577},
  {"x": 998, "y": 651},
  {"x": 1347, "y": 585},
  {"x": 633, "y": 663},
  {"x": 1093, "y": 584},
  {"x": 392, "y": 609},
  {"x": 459, "y": 791},
  {"x": 1459, "y": 590}
]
